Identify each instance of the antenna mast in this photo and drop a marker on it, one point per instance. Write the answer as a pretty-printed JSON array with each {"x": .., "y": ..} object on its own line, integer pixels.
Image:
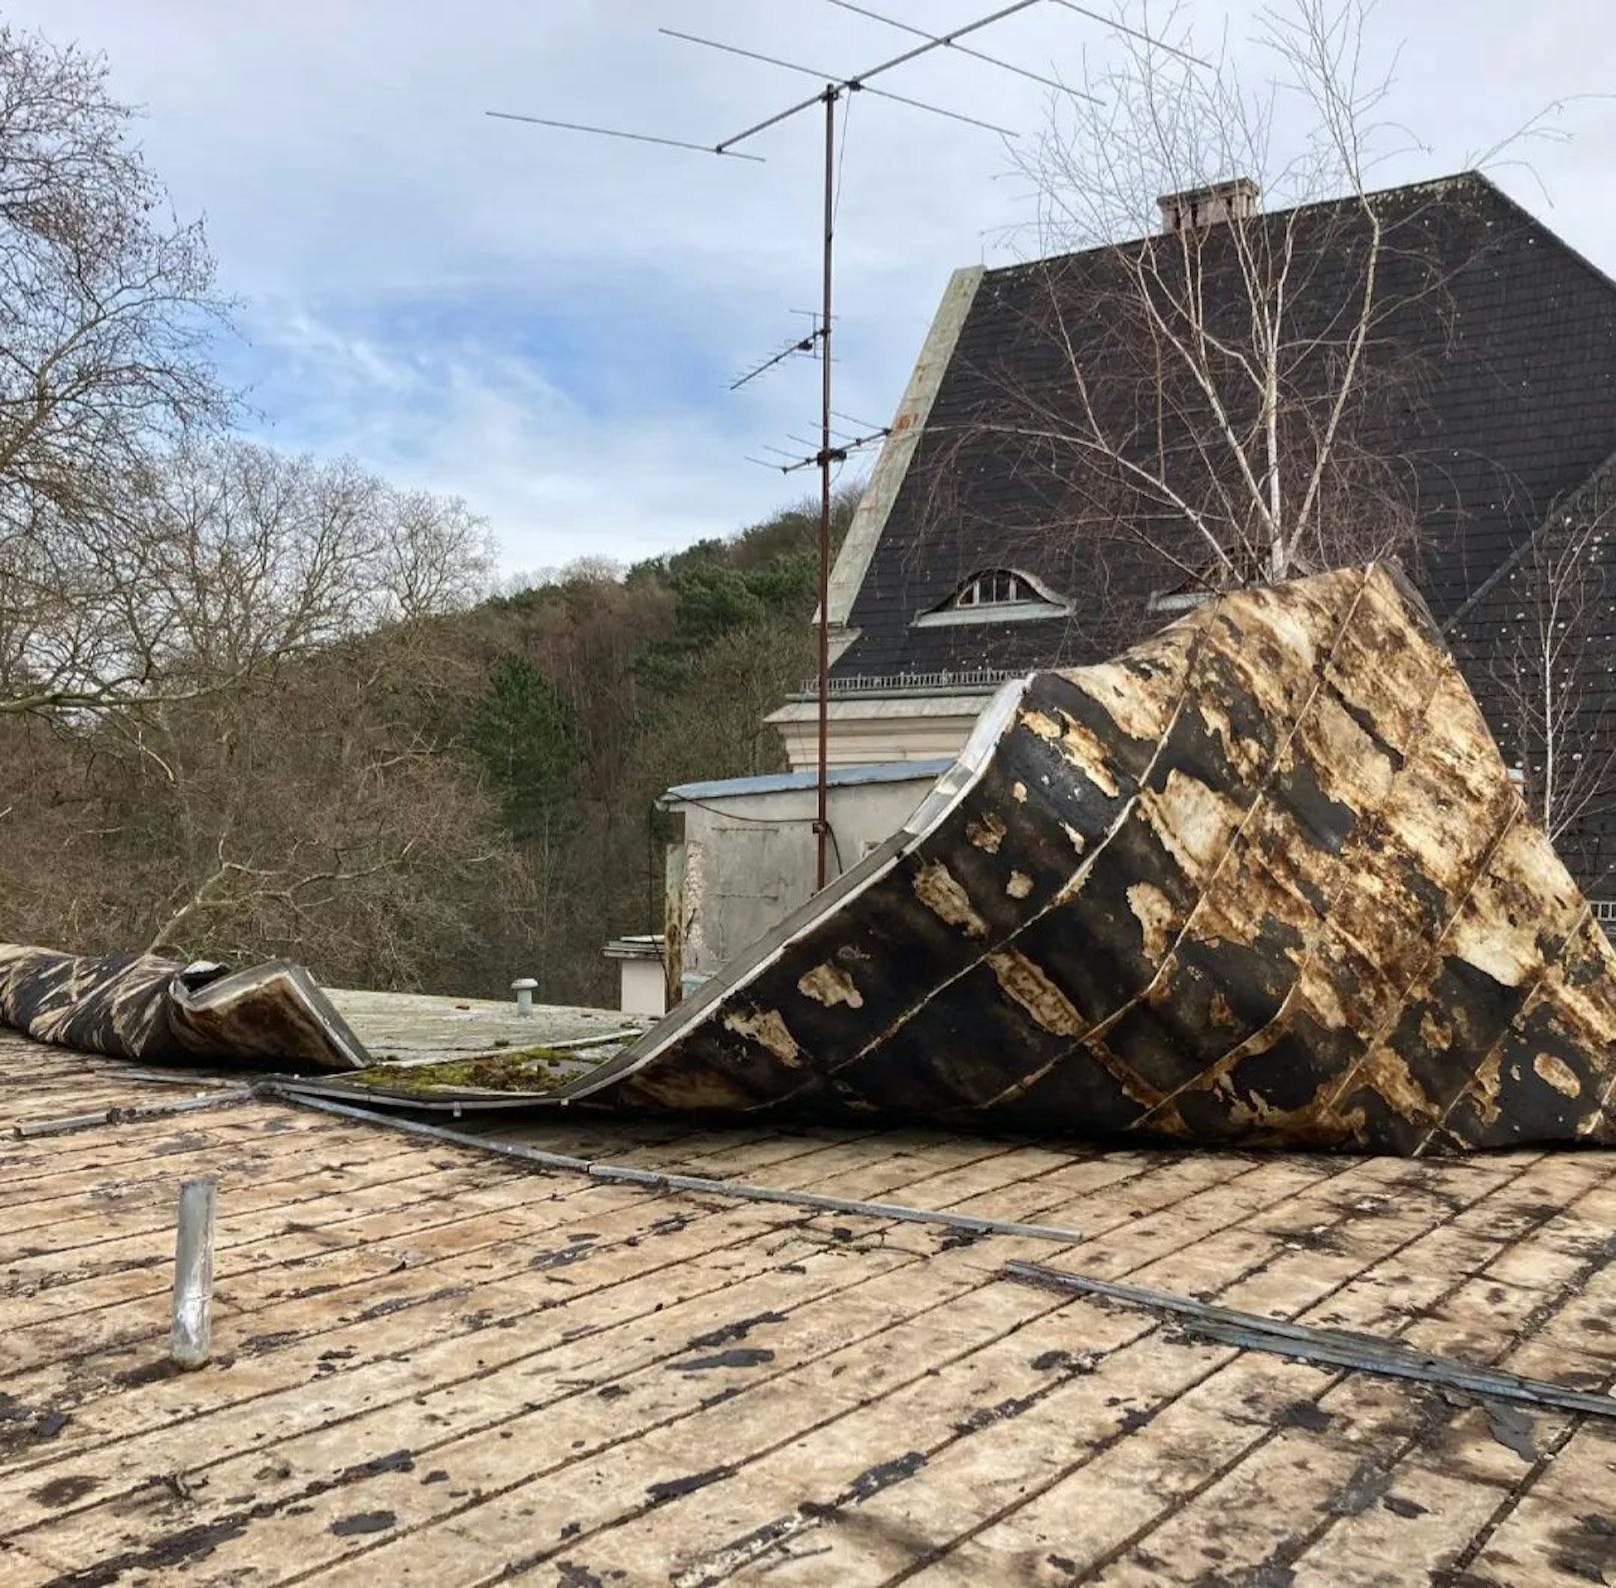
[
  {"x": 829, "y": 96},
  {"x": 822, "y": 812}
]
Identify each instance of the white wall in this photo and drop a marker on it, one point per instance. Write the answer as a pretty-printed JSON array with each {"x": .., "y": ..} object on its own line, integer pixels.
[
  {"x": 873, "y": 730},
  {"x": 750, "y": 860}
]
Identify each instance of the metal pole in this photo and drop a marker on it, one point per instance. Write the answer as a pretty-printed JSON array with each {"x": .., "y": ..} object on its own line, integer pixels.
[
  {"x": 822, "y": 822},
  {"x": 191, "y": 1336}
]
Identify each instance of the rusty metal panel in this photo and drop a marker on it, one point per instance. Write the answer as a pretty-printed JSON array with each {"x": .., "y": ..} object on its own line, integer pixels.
[
  {"x": 137, "y": 1006},
  {"x": 1262, "y": 879}
]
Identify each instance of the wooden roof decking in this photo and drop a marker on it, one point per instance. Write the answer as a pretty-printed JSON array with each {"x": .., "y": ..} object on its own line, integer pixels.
[{"x": 435, "y": 1366}]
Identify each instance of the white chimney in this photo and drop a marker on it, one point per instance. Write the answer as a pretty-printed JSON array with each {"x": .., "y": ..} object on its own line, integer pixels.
[{"x": 1234, "y": 200}]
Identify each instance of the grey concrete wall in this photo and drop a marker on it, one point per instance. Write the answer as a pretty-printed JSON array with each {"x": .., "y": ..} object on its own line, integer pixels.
[{"x": 748, "y": 861}]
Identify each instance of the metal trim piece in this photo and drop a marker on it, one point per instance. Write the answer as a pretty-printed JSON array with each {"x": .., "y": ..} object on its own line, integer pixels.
[
  {"x": 1363, "y": 1353},
  {"x": 695, "y": 1185},
  {"x": 26, "y": 1129}
]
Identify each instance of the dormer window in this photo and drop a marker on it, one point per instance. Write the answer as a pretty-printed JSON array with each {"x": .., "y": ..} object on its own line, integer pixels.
[
  {"x": 993, "y": 588},
  {"x": 997, "y": 595}
]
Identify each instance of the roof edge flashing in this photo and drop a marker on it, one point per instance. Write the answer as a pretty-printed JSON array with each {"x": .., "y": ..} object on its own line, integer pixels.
[{"x": 795, "y": 782}]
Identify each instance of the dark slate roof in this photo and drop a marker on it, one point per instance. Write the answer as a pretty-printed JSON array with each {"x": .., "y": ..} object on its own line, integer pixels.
[
  {"x": 1515, "y": 347},
  {"x": 1537, "y": 644}
]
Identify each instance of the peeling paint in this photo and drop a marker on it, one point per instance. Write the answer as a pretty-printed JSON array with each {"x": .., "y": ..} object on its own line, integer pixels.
[
  {"x": 936, "y": 888},
  {"x": 766, "y": 1027},
  {"x": 829, "y": 984},
  {"x": 1158, "y": 920},
  {"x": 1195, "y": 823},
  {"x": 1558, "y": 1074},
  {"x": 1035, "y": 992},
  {"x": 987, "y": 834}
]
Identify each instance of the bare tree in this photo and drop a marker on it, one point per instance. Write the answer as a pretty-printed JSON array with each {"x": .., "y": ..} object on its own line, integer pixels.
[
  {"x": 436, "y": 555},
  {"x": 223, "y": 712},
  {"x": 257, "y": 751},
  {"x": 108, "y": 309},
  {"x": 1540, "y": 646},
  {"x": 213, "y": 563},
  {"x": 1223, "y": 394}
]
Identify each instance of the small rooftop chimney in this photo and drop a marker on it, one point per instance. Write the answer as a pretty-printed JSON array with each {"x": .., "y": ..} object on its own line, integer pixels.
[{"x": 1234, "y": 200}]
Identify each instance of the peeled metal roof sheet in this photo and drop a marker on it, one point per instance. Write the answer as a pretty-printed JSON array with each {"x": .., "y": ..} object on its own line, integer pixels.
[{"x": 1262, "y": 879}]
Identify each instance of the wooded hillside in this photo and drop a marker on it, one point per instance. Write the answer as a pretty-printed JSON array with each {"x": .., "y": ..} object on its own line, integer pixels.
[
  {"x": 439, "y": 802},
  {"x": 255, "y": 705}
]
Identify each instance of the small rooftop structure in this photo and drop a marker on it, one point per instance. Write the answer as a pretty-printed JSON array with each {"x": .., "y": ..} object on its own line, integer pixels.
[
  {"x": 745, "y": 856},
  {"x": 641, "y": 982},
  {"x": 1232, "y": 200}
]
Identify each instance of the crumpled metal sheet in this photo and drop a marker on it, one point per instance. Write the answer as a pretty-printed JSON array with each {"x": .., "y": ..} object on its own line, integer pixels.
[
  {"x": 137, "y": 1006},
  {"x": 1261, "y": 880}
]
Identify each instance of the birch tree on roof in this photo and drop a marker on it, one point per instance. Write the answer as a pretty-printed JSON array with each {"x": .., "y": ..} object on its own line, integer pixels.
[
  {"x": 1545, "y": 648},
  {"x": 142, "y": 560},
  {"x": 1220, "y": 379}
]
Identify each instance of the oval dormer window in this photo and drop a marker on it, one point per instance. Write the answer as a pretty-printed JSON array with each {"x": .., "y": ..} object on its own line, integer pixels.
[
  {"x": 996, "y": 587},
  {"x": 997, "y": 595}
]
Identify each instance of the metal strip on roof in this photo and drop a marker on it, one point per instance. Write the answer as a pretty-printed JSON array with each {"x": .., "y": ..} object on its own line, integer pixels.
[{"x": 787, "y": 782}]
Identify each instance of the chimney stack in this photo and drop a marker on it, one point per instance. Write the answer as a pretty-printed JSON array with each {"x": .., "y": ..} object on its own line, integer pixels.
[{"x": 1234, "y": 200}]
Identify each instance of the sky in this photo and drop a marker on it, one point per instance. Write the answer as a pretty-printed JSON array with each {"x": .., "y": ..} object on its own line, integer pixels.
[{"x": 546, "y": 323}]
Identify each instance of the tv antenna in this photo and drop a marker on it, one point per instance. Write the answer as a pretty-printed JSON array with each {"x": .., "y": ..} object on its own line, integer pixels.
[{"x": 834, "y": 89}]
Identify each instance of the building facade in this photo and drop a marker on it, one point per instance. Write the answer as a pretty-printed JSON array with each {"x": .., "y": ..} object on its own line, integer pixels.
[{"x": 995, "y": 537}]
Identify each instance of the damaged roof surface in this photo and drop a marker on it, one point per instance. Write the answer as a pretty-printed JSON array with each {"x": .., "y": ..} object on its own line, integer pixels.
[
  {"x": 1263, "y": 879},
  {"x": 436, "y": 1366}
]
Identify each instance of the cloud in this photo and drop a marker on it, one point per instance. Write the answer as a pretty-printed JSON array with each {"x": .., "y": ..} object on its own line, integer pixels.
[
  {"x": 545, "y": 323},
  {"x": 561, "y": 467}
]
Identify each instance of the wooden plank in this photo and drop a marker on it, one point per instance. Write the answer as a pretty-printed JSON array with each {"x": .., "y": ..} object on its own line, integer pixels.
[
  {"x": 657, "y": 1471},
  {"x": 27, "y": 1163},
  {"x": 485, "y": 1427},
  {"x": 1033, "y": 1531},
  {"x": 417, "y": 1257},
  {"x": 883, "y": 1342},
  {"x": 366, "y": 1363},
  {"x": 321, "y": 1226},
  {"x": 906, "y": 1282},
  {"x": 397, "y": 1290},
  {"x": 270, "y": 1185},
  {"x": 105, "y": 1192}
]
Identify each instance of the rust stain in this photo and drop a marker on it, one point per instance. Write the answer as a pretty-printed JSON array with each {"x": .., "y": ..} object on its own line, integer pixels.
[
  {"x": 1031, "y": 987},
  {"x": 986, "y": 834},
  {"x": 936, "y": 888},
  {"x": 829, "y": 984}
]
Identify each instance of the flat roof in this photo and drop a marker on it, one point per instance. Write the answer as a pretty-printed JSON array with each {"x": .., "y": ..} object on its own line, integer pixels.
[
  {"x": 785, "y": 782},
  {"x": 436, "y": 1365}
]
